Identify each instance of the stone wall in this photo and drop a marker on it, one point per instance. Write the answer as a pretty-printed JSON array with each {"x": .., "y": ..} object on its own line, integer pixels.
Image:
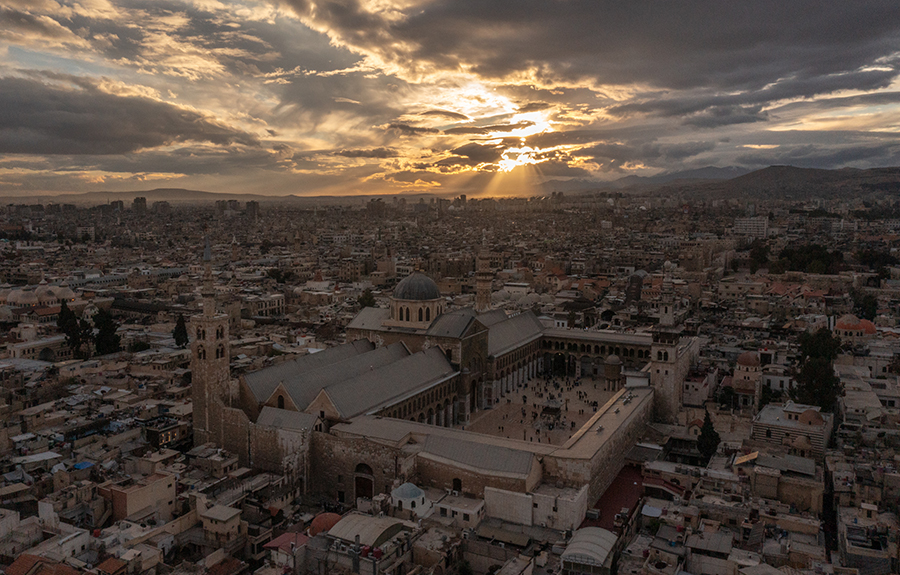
[
  {"x": 333, "y": 463},
  {"x": 433, "y": 473},
  {"x": 601, "y": 468}
]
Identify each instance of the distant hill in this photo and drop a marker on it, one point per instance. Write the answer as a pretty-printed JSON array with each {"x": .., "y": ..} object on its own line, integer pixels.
[
  {"x": 707, "y": 173},
  {"x": 789, "y": 182}
]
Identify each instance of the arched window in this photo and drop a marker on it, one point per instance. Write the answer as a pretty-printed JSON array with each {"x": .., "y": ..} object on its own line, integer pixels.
[
  {"x": 220, "y": 332},
  {"x": 220, "y": 352},
  {"x": 364, "y": 469},
  {"x": 658, "y": 356},
  {"x": 280, "y": 401},
  {"x": 407, "y": 314},
  {"x": 201, "y": 334},
  {"x": 201, "y": 352},
  {"x": 427, "y": 314},
  {"x": 420, "y": 314},
  {"x": 665, "y": 356}
]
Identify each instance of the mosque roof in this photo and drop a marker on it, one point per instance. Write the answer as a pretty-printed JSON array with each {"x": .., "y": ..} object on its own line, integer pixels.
[{"x": 418, "y": 287}]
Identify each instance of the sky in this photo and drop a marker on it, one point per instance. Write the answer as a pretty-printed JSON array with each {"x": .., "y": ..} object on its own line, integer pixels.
[{"x": 499, "y": 97}]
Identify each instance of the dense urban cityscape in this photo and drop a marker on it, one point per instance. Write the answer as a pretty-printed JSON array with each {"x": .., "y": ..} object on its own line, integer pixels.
[{"x": 605, "y": 382}]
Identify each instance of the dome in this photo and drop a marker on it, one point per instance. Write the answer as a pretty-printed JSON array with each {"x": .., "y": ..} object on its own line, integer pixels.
[
  {"x": 323, "y": 522},
  {"x": 417, "y": 287},
  {"x": 22, "y": 298},
  {"x": 407, "y": 491},
  {"x": 613, "y": 359},
  {"x": 64, "y": 292},
  {"x": 847, "y": 322},
  {"x": 748, "y": 359},
  {"x": 530, "y": 299},
  {"x": 46, "y": 295}
]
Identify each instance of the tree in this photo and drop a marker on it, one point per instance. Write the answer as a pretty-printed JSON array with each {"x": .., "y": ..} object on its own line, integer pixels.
[
  {"x": 106, "y": 339},
  {"x": 708, "y": 441},
  {"x": 864, "y": 304},
  {"x": 817, "y": 384},
  {"x": 78, "y": 332},
  {"x": 180, "y": 332},
  {"x": 366, "y": 299},
  {"x": 820, "y": 345},
  {"x": 727, "y": 398},
  {"x": 767, "y": 396}
]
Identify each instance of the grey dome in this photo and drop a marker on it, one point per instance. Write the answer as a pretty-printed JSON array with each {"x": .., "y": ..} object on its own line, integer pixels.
[
  {"x": 417, "y": 287},
  {"x": 613, "y": 360}
]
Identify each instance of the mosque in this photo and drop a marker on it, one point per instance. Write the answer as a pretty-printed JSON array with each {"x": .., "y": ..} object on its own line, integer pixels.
[{"x": 391, "y": 404}]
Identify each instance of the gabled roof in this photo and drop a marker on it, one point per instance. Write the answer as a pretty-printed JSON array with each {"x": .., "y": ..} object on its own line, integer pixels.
[
  {"x": 263, "y": 382},
  {"x": 369, "y": 318},
  {"x": 452, "y": 324},
  {"x": 304, "y": 386},
  {"x": 285, "y": 419},
  {"x": 513, "y": 332},
  {"x": 372, "y": 388}
]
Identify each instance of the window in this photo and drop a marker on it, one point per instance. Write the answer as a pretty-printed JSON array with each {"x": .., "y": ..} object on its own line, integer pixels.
[
  {"x": 280, "y": 401},
  {"x": 465, "y": 516},
  {"x": 768, "y": 433},
  {"x": 341, "y": 496}
]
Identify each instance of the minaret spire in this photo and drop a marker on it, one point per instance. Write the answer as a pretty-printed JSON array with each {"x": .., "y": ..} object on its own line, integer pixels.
[{"x": 207, "y": 290}]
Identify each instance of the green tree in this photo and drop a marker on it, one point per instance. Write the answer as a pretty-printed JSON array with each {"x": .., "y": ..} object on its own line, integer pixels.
[
  {"x": 106, "y": 340},
  {"x": 727, "y": 398},
  {"x": 759, "y": 255},
  {"x": 180, "y": 332},
  {"x": 817, "y": 384},
  {"x": 767, "y": 396},
  {"x": 708, "y": 441},
  {"x": 865, "y": 305},
  {"x": 138, "y": 346},
  {"x": 366, "y": 299},
  {"x": 78, "y": 332},
  {"x": 819, "y": 345}
]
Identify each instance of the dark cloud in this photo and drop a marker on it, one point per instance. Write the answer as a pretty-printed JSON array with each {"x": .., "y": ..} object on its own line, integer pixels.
[
  {"x": 446, "y": 114},
  {"x": 707, "y": 43},
  {"x": 710, "y": 110},
  {"x": 29, "y": 23},
  {"x": 39, "y": 118},
  {"x": 534, "y": 107},
  {"x": 488, "y": 129},
  {"x": 614, "y": 155},
  {"x": 473, "y": 154},
  {"x": 815, "y": 156},
  {"x": 371, "y": 153},
  {"x": 407, "y": 130}
]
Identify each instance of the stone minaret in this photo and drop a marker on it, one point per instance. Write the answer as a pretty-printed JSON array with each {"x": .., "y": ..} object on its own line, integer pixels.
[
  {"x": 210, "y": 354},
  {"x": 667, "y": 297},
  {"x": 484, "y": 278}
]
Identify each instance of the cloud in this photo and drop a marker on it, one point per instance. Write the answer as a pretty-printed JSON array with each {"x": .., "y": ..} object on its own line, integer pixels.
[
  {"x": 446, "y": 114},
  {"x": 707, "y": 43},
  {"x": 407, "y": 130},
  {"x": 380, "y": 153},
  {"x": 489, "y": 129},
  {"x": 42, "y": 118}
]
